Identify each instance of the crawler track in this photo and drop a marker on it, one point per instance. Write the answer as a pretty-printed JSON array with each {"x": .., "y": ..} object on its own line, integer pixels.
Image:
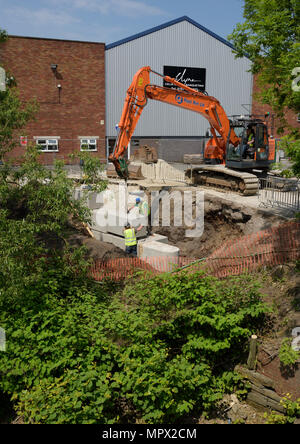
[{"x": 225, "y": 178}]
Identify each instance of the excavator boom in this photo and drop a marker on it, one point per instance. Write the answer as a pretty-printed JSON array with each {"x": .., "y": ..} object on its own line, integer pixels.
[
  {"x": 137, "y": 97},
  {"x": 229, "y": 159}
]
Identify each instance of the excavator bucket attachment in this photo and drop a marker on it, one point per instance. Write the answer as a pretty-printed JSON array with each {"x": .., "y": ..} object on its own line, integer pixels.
[
  {"x": 123, "y": 170},
  {"x": 135, "y": 172},
  {"x": 119, "y": 168}
]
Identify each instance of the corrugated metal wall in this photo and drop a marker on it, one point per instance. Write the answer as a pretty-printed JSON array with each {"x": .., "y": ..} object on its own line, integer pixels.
[{"x": 181, "y": 44}]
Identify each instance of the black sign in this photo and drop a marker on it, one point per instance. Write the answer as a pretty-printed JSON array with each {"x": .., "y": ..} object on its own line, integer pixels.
[{"x": 192, "y": 77}]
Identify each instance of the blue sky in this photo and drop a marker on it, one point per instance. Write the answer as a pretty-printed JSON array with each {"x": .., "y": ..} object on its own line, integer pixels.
[{"x": 110, "y": 20}]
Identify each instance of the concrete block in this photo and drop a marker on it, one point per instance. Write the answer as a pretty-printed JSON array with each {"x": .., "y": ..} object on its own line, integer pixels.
[
  {"x": 162, "y": 257},
  {"x": 99, "y": 220},
  {"x": 95, "y": 201},
  {"x": 151, "y": 248},
  {"x": 76, "y": 193},
  {"x": 137, "y": 193},
  {"x": 98, "y": 235},
  {"x": 193, "y": 158},
  {"x": 115, "y": 240},
  {"x": 158, "y": 238}
]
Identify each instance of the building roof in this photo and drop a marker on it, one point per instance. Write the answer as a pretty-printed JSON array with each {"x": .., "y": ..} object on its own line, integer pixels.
[
  {"x": 53, "y": 39},
  {"x": 166, "y": 25}
]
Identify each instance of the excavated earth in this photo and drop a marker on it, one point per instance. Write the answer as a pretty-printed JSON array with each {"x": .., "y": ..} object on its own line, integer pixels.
[
  {"x": 96, "y": 250},
  {"x": 223, "y": 220}
]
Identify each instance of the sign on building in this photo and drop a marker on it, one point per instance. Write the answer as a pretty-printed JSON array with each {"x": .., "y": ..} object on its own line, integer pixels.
[
  {"x": 192, "y": 77},
  {"x": 2, "y": 79}
]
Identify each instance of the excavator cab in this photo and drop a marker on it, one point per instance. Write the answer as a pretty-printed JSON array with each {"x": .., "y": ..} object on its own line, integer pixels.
[{"x": 253, "y": 149}]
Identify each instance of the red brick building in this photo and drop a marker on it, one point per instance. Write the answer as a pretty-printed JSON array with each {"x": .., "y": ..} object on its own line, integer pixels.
[
  {"x": 67, "y": 78},
  {"x": 292, "y": 118}
]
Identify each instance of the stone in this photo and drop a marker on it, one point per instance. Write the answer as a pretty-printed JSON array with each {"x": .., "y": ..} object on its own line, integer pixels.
[
  {"x": 115, "y": 240},
  {"x": 237, "y": 217}
]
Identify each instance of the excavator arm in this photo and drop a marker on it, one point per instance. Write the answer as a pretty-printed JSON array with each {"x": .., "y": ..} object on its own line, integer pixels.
[{"x": 137, "y": 97}]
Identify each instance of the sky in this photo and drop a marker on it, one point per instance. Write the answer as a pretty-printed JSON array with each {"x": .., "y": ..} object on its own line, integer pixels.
[{"x": 108, "y": 21}]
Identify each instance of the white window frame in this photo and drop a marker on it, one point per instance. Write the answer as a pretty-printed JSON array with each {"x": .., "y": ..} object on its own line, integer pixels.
[
  {"x": 87, "y": 141},
  {"x": 48, "y": 143}
]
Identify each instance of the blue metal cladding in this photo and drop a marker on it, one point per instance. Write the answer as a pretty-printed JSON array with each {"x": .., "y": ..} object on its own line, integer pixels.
[{"x": 181, "y": 42}]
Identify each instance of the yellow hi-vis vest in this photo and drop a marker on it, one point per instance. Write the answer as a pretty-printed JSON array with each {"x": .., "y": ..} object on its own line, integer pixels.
[
  {"x": 144, "y": 208},
  {"x": 130, "y": 238},
  {"x": 249, "y": 138}
]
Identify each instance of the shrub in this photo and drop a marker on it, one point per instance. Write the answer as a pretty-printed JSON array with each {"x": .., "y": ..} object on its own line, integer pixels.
[
  {"x": 159, "y": 349},
  {"x": 287, "y": 356}
]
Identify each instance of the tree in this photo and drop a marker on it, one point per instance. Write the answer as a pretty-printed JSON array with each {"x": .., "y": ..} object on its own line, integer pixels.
[
  {"x": 3, "y": 35},
  {"x": 36, "y": 205},
  {"x": 270, "y": 37},
  {"x": 14, "y": 114}
]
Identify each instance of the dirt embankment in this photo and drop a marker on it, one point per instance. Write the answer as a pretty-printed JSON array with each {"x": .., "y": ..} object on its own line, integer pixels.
[
  {"x": 96, "y": 250},
  {"x": 223, "y": 220}
]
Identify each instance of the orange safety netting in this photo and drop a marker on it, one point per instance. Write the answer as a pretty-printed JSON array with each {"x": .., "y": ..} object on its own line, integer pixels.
[{"x": 273, "y": 246}]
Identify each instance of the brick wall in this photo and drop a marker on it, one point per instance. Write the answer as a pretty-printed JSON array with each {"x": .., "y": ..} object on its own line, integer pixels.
[
  {"x": 77, "y": 108},
  {"x": 259, "y": 109}
]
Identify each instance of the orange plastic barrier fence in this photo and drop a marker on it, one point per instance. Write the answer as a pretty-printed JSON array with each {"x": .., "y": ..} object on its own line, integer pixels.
[{"x": 274, "y": 246}]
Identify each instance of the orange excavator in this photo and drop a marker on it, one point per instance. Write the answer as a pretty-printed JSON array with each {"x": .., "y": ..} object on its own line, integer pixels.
[{"x": 237, "y": 146}]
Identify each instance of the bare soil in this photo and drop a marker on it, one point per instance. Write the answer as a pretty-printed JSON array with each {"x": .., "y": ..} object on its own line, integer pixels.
[
  {"x": 217, "y": 230},
  {"x": 96, "y": 250},
  {"x": 224, "y": 219},
  {"x": 280, "y": 287}
]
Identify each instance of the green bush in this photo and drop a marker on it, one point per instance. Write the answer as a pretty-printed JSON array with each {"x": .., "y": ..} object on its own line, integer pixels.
[
  {"x": 157, "y": 350},
  {"x": 287, "y": 356}
]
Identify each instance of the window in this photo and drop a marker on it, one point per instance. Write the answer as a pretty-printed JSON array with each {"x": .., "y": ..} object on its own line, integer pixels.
[
  {"x": 88, "y": 144},
  {"x": 262, "y": 137},
  {"x": 110, "y": 148},
  {"x": 47, "y": 144}
]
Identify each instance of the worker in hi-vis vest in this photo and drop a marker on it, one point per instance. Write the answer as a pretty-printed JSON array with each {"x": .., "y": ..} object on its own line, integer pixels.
[
  {"x": 144, "y": 213},
  {"x": 130, "y": 239}
]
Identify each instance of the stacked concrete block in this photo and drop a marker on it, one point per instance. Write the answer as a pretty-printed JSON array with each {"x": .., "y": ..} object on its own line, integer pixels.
[
  {"x": 158, "y": 238},
  {"x": 109, "y": 216},
  {"x": 118, "y": 241},
  {"x": 148, "y": 248},
  {"x": 158, "y": 253}
]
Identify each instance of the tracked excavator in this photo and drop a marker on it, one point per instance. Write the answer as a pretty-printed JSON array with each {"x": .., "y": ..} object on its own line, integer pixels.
[{"x": 238, "y": 146}]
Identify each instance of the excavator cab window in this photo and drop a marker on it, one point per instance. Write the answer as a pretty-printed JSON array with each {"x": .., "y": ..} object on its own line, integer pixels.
[
  {"x": 261, "y": 142},
  {"x": 235, "y": 153},
  {"x": 249, "y": 144}
]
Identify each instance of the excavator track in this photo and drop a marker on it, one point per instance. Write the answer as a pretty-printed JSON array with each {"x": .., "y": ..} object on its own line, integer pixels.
[{"x": 222, "y": 177}]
